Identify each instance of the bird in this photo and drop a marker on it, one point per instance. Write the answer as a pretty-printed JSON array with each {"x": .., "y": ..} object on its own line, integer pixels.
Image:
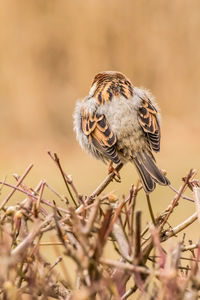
[{"x": 119, "y": 123}]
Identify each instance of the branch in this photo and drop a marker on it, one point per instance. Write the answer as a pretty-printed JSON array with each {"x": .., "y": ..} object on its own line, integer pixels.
[
  {"x": 150, "y": 210},
  {"x": 99, "y": 189},
  {"x": 174, "y": 202},
  {"x": 106, "y": 182},
  {"x": 138, "y": 235},
  {"x": 57, "y": 161},
  {"x": 21, "y": 248},
  {"x": 46, "y": 202},
  {"x": 173, "y": 231},
  {"x": 190, "y": 247},
  {"x": 15, "y": 187},
  {"x": 125, "y": 266}
]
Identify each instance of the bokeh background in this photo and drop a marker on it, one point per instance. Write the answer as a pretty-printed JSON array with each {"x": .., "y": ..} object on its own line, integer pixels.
[{"x": 51, "y": 50}]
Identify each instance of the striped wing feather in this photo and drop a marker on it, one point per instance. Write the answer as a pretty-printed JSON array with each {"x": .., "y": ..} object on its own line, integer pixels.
[
  {"x": 100, "y": 135},
  {"x": 147, "y": 116}
]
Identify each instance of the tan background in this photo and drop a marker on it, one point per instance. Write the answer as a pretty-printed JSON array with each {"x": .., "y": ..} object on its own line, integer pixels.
[{"x": 50, "y": 51}]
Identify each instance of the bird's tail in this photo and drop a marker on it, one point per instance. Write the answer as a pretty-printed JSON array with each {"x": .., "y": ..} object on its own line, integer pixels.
[{"x": 149, "y": 172}]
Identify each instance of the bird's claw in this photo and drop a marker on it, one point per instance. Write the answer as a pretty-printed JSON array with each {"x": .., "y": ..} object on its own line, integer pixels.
[{"x": 111, "y": 169}]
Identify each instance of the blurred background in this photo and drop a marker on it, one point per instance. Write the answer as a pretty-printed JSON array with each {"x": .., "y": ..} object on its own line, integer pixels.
[{"x": 51, "y": 50}]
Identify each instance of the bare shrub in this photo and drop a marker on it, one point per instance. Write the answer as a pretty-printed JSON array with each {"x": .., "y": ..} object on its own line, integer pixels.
[{"x": 84, "y": 227}]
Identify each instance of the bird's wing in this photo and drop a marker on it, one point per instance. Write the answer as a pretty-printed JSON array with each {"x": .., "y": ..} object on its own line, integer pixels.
[
  {"x": 97, "y": 129},
  {"x": 147, "y": 116}
]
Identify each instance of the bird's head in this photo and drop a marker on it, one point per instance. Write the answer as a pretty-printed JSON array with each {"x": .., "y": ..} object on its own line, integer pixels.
[{"x": 108, "y": 84}]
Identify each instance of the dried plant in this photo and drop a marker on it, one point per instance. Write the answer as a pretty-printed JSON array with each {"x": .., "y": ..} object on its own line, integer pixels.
[{"x": 141, "y": 267}]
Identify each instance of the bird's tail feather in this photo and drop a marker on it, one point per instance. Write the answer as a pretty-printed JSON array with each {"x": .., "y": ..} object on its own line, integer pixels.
[{"x": 149, "y": 172}]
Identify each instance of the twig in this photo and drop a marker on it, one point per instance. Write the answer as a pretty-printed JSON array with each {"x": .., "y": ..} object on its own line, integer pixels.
[
  {"x": 135, "y": 193},
  {"x": 129, "y": 292},
  {"x": 40, "y": 195},
  {"x": 20, "y": 249},
  {"x": 182, "y": 196},
  {"x": 27, "y": 203},
  {"x": 58, "y": 260},
  {"x": 125, "y": 266},
  {"x": 106, "y": 182},
  {"x": 50, "y": 244},
  {"x": 63, "y": 266},
  {"x": 46, "y": 202},
  {"x": 150, "y": 209},
  {"x": 138, "y": 234},
  {"x": 196, "y": 191},
  {"x": 157, "y": 244},
  {"x": 153, "y": 257},
  {"x": 190, "y": 247},
  {"x": 55, "y": 192},
  {"x": 115, "y": 217},
  {"x": 15, "y": 187},
  {"x": 99, "y": 189},
  {"x": 170, "y": 209},
  {"x": 173, "y": 231},
  {"x": 57, "y": 161},
  {"x": 91, "y": 218},
  {"x": 121, "y": 238}
]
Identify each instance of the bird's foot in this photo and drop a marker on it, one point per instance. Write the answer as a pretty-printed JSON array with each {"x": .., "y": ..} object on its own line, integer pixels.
[{"x": 111, "y": 169}]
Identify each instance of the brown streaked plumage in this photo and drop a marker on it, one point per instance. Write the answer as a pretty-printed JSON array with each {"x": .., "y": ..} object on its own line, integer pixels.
[
  {"x": 118, "y": 122},
  {"x": 110, "y": 85},
  {"x": 147, "y": 117},
  {"x": 100, "y": 135}
]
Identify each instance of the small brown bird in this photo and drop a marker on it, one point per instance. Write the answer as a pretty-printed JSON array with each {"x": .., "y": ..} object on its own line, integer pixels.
[{"x": 118, "y": 122}]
